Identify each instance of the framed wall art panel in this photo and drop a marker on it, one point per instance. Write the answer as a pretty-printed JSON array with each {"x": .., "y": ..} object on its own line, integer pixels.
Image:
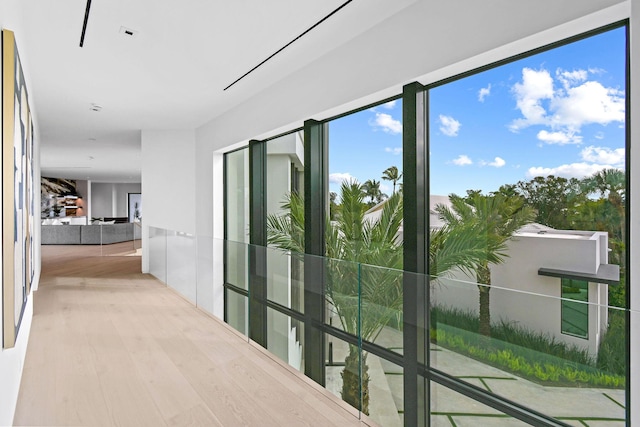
[{"x": 17, "y": 191}]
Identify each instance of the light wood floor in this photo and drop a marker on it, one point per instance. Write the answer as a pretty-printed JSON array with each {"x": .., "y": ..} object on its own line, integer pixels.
[{"x": 111, "y": 346}]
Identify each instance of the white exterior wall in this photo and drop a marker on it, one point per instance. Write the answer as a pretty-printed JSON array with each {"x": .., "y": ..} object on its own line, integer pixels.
[{"x": 519, "y": 294}]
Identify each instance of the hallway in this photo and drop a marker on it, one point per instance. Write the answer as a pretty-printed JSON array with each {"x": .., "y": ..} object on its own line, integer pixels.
[{"x": 112, "y": 346}]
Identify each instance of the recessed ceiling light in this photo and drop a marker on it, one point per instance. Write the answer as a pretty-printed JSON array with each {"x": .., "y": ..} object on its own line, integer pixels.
[
  {"x": 128, "y": 32},
  {"x": 95, "y": 107},
  {"x": 93, "y": 139}
]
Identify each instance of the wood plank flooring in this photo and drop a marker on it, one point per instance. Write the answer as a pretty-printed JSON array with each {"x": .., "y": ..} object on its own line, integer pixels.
[{"x": 110, "y": 346}]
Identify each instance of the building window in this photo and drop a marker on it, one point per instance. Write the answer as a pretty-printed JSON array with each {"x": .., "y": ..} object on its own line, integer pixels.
[{"x": 575, "y": 308}]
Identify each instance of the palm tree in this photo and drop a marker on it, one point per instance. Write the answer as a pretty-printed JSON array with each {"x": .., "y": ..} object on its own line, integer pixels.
[
  {"x": 371, "y": 189},
  {"x": 392, "y": 174},
  {"x": 495, "y": 218},
  {"x": 366, "y": 297}
]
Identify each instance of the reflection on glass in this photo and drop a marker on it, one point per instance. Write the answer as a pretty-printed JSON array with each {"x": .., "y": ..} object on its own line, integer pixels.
[
  {"x": 237, "y": 312},
  {"x": 365, "y": 300},
  {"x": 237, "y": 264},
  {"x": 237, "y": 217},
  {"x": 237, "y": 195},
  {"x": 285, "y": 188},
  {"x": 284, "y": 278},
  {"x": 449, "y": 408},
  {"x": 158, "y": 253},
  {"x": 181, "y": 264},
  {"x": 575, "y": 316},
  {"x": 528, "y": 360},
  {"x": 285, "y": 338},
  {"x": 205, "y": 273},
  {"x": 347, "y": 374},
  {"x": 386, "y": 391}
]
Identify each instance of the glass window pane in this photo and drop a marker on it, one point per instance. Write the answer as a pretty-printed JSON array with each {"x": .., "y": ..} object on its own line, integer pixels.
[
  {"x": 575, "y": 315},
  {"x": 527, "y": 174},
  {"x": 285, "y": 337},
  {"x": 237, "y": 217},
  {"x": 237, "y": 311},
  {"x": 237, "y": 195},
  {"x": 285, "y": 219},
  {"x": 450, "y": 408},
  {"x": 158, "y": 253},
  {"x": 365, "y": 227}
]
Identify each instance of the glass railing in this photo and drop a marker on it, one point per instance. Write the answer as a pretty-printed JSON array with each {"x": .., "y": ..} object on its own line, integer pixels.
[{"x": 561, "y": 358}]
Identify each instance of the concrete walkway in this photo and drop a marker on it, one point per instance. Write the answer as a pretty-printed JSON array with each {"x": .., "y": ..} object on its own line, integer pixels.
[{"x": 591, "y": 407}]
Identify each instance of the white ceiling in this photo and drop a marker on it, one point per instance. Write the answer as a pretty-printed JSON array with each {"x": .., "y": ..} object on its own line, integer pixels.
[{"x": 171, "y": 75}]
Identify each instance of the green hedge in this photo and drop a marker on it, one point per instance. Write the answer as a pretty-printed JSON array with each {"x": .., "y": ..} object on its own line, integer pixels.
[
  {"x": 549, "y": 362},
  {"x": 543, "y": 373}
]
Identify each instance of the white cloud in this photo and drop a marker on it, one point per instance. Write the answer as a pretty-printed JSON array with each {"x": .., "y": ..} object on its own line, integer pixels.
[
  {"x": 462, "y": 160},
  {"x": 559, "y": 137},
  {"x": 498, "y": 162},
  {"x": 573, "y": 170},
  {"x": 594, "y": 159},
  {"x": 389, "y": 105},
  {"x": 536, "y": 86},
  {"x": 571, "y": 78},
  {"x": 604, "y": 155},
  {"x": 565, "y": 107},
  {"x": 387, "y": 123},
  {"x": 588, "y": 103},
  {"x": 599, "y": 135},
  {"x": 339, "y": 177},
  {"x": 484, "y": 92},
  {"x": 395, "y": 150},
  {"x": 449, "y": 125}
]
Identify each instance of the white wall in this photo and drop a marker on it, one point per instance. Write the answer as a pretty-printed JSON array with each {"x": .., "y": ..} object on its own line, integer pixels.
[
  {"x": 168, "y": 183},
  {"x": 12, "y": 360},
  {"x": 111, "y": 199},
  {"x": 404, "y": 48}
]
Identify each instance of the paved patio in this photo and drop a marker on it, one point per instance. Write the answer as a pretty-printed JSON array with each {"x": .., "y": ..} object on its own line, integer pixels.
[{"x": 591, "y": 407}]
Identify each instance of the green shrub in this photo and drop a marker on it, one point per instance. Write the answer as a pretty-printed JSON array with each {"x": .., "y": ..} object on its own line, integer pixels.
[
  {"x": 509, "y": 332},
  {"x": 612, "y": 349},
  {"x": 531, "y": 355}
]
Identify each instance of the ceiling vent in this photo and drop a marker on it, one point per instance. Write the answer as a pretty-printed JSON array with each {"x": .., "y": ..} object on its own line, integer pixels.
[
  {"x": 128, "y": 32},
  {"x": 95, "y": 107}
]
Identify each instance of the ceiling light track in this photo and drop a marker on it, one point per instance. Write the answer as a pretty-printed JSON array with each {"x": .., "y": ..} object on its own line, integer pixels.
[
  {"x": 84, "y": 25},
  {"x": 288, "y": 44}
]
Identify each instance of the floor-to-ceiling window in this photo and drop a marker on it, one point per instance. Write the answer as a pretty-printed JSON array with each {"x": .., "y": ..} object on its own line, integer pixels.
[
  {"x": 284, "y": 202},
  {"x": 512, "y": 198},
  {"x": 236, "y": 239},
  {"x": 364, "y": 242},
  {"x": 527, "y": 164}
]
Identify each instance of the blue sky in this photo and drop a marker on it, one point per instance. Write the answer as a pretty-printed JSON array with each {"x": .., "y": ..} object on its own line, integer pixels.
[{"x": 559, "y": 112}]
